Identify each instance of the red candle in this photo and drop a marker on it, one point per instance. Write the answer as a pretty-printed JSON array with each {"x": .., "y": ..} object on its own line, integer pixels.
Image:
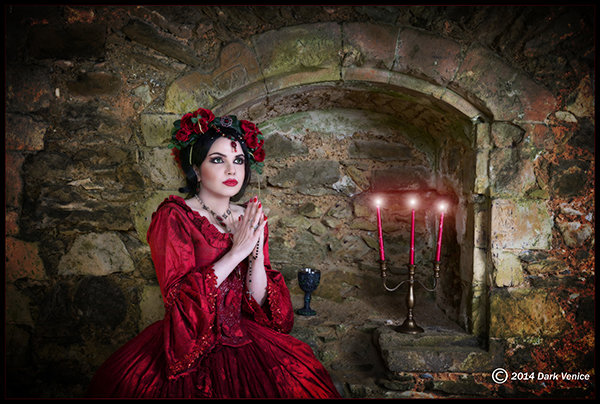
[
  {"x": 381, "y": 252},
  {"x": 412, "y": 236},
  {"x": 439, "y": 242}
]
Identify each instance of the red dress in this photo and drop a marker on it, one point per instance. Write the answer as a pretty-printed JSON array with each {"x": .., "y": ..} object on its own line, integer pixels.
[{"x": 213, "y": 342}]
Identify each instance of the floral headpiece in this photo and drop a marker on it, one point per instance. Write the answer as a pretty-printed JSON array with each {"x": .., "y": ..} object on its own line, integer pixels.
[{"x": 187, "y": 130}]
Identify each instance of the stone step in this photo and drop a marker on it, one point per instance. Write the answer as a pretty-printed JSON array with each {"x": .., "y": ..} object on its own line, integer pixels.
[{"x": 436, "y": 350}]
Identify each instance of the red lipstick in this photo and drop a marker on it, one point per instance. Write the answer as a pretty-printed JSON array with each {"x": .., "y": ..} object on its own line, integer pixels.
[{"x": 230, "y": 183}]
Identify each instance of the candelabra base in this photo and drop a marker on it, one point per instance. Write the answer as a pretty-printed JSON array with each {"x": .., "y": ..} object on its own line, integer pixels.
[{"x": 409, "y": 327}]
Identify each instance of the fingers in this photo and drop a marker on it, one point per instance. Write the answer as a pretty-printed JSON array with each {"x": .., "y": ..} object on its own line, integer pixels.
[
  {"x": 254, "y": 213},
  {"x": 250, "y": 228},
  {"x": 257, "y": 219},
  {"x": 253, "y": 221}
]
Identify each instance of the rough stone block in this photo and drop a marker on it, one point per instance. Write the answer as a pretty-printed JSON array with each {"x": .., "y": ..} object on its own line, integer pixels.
[
  {"x": 22, "y": 260},
  {"x": 369, "y": 45},
  {"x": 575, "y": 233},
  {"x": 309, "y": 209},
  {"x": 160, "y": 166},
  {"x": 508, "y": 270},
  {"x": 156, "y": 128},
  {"x": 521, "y": 225},
  {"x": 516, "y": 95},
  {"x": 238, "y": 68},
  {"x": 278, "y": 146},
  {"x": 425, "y": 55},
  {"x": 353, "y": 248},
  {"x": 68, "y": 207},
  {"x": 96, "y": 254},
  {"x": 298, "y": 49},
  {"x": 483, "y": 139},
  {"x": 546, "y": 267},
  {"x": 435, "y": 350},
  {"x": 347, "y": 186},
  {"x": 569, "y": 178},
  {"x": 295, "y": 222},
  {"x": 24, "y": 133},
  {"x": 510, "y": 174},
  {"x": 525, "y": 313},
  {"x": 11, "y": 223},
  {"x": 584, "y": 105},
  {"x": 13, "y": 183},
  {"x": 481, "y": 171},
  {"x": 146, "y": 35},
  {"x": 506, "y": 134}
]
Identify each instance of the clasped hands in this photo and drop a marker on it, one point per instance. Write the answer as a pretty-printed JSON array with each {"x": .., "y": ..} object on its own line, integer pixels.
[{"x": 249, "y": 230}]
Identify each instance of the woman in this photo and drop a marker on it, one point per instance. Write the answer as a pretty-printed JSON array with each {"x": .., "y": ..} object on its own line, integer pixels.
[{"x": 228, "y": 313}]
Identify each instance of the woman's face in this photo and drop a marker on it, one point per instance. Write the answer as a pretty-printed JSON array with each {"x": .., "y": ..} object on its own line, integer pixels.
[{"x": 223, "y": 170}]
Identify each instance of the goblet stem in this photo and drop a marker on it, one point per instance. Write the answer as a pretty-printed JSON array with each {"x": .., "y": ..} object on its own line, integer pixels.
[{"x": 306, "y": 310}]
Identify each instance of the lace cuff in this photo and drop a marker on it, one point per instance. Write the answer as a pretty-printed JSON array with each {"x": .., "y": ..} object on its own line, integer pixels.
[{"x": 189, "y": 321}]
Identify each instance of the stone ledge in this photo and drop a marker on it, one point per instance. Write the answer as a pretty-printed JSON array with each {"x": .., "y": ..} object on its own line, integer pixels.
[{"x": 436, "y": 350}]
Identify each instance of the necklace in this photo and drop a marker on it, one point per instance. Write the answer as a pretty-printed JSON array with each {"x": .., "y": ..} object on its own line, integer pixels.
[{"x": 219, "y": 219}]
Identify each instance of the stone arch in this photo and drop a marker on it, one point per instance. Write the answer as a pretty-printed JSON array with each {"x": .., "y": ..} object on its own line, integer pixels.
[{"x": 449, "y": 91}]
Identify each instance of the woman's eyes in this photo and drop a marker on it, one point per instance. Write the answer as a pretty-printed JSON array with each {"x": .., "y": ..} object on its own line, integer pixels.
[{"x": 219, "y": 160}]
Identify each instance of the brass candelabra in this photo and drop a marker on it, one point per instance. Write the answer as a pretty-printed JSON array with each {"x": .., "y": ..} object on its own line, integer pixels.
[{"x": 410, "y": 325}]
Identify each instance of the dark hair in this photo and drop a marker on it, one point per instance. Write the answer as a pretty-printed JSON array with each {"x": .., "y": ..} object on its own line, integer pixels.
[{"x": 200, "y": 150}]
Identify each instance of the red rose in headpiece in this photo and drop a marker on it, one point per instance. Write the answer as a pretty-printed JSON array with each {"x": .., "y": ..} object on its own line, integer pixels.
[
  {"x": 188, "y": 126},
  {"x": 205, "y": 117},
  {"x": 251, "y": 133},
  {"x": 183, "y": 135},
  {"x": 251, "y": 140},
  {"x": 248, "y": 128},
  {"x": 259, "y": 155}
]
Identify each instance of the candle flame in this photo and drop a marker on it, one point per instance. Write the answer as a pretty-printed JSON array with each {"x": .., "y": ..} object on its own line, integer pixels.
[
  {"x": 378, "y": 201},
  {"x": 413, "y": 202},
  {"x": 442, "y": 207}
]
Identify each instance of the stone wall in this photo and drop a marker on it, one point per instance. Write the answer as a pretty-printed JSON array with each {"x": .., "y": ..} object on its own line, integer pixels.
[{"x": 489, "y": 108}]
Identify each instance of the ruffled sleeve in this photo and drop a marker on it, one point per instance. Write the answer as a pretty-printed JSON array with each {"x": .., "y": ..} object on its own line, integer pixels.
[
  {"x": 189, "y": 289},
  {"x": 277, "y": 311}
]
